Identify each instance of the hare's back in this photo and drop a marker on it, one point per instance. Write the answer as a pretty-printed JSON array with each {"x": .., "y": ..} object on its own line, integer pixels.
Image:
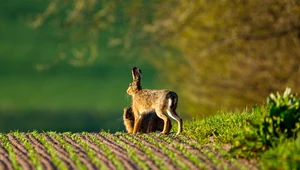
[
  {"x": 153, "y": 94},
  {"x": 151, "y": 98}
]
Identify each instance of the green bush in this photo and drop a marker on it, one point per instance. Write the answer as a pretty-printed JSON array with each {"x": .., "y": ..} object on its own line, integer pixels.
[
  {"x": 280, "y": 120},
  {"x": 284, "y": 115}
]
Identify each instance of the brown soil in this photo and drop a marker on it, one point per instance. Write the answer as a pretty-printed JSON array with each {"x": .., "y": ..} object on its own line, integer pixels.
[
  {"x": 5, "y": 162},
  {"x": 41, "y": 152},
  {"x": 162, "y": 156},
  {"x": 100, "y": 154},
  {"x": 120, "y": 153},
  {"x": 61, "y": 152},
  {"x": 21, "y": 153},
  {"x": 131, "y": 151}
]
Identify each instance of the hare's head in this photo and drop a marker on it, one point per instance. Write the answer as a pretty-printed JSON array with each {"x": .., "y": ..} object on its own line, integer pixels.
[
  {"x": 135, "y": 86},
  {"x": 128, "y": 114}
]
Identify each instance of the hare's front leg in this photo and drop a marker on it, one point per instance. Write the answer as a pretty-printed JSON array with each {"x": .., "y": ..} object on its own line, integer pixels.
[
  {"x": 161, "y": 115},
  {"x": 137, "y": 123}
]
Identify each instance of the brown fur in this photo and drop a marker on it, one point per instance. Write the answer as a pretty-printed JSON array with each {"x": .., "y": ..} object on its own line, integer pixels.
[
  {"x": 150, "y": 123},
  {"x": 145, "y": 101}
]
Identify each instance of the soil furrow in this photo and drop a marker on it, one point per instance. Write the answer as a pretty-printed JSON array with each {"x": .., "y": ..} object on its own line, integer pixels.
[
  {"x": 168, "y": 163},
  {"x": 23, "y": 162},
  {"x": 98, "y": 152},
  {"x": 41, "y": 151},
  {"x": 204, "y": 159},
  {"x": 140, "y": 153},
  {"x": 6, "y": 162},
  {"x": 61, "y": 152},
  {"x": 14, "y": 141},
  {"x": 250, "y": 164},
  {"x": 218, "y": 155},
  {"x": 2, "y": 165},
  {"x": 21, "y": 153},
  {"x": 4, "y": 158},
  {"x": 120, "y": 153},
  {"x": 180, "y": 156},
  {"x": 38, "y": 146},
  {"x": 113, "y": 151},
  {"x": 46, "y": 164},
  {"x": 243, "y": 163},
  {"x": 80, "y": 151}
]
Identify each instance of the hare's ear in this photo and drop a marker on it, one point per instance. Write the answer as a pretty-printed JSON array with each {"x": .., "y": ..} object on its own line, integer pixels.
[
  {"x": 136, "y": 74},
  {"x": 133, "y": 71}
]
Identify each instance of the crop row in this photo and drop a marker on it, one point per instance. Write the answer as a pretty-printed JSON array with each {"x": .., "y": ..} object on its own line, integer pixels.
[{"x": 103, "y": 150}]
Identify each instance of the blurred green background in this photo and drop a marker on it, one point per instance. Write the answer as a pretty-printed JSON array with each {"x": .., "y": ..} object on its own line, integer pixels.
[
  {"x": 63, "y": 97},
  {"x": 65, "y": 64}
]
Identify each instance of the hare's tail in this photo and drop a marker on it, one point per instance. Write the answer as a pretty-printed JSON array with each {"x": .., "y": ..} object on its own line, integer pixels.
[
  {"x": 171, "y": 110},
  {"x": 173, "y": 100}
]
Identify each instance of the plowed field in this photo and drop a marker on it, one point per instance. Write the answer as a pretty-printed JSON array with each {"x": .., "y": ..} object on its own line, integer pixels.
[{"x": 110, "y": 151}]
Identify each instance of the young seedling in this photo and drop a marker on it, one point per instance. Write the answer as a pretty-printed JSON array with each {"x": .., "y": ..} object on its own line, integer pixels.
[
  {"x": 91, "y": 153},
  {"x": 146, "y": 149},
  {"x": 131, "y": 152},
  {"x": 108, "y": 153},
  {"x": 165, "y": 149},
  {"x": 31, "y": 152},
  {"x": 69, "y": 149},
  {"x": 52, "y": 152},
  {"x": 7, "y": 146}
]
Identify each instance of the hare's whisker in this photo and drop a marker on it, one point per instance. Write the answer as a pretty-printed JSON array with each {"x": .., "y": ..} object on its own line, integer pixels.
[{"x": 119, "y": 119}]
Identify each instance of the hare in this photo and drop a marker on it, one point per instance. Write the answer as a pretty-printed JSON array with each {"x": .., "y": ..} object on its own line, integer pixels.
[
  {"x": 150, "y": 123},
  {"x": 145, "y": 101}
]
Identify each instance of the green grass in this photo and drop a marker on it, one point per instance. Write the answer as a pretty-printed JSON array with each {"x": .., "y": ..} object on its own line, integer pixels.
[
  {"x": 284, "y": 156},
  {"x": 222, "y": 127},
  {"x": 226, "y": 127}
]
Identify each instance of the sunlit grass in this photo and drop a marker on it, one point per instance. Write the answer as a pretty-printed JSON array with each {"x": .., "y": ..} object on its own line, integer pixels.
[
  {"x": 285, "y": 156},
  {"x": 222, "y": 127}
]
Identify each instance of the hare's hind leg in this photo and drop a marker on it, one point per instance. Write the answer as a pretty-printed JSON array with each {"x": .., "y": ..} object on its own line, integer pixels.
[
  {"x": 172, "y": 113},
  {"x": 161, "y": 115},
  {"x": 171, "y": 109}
]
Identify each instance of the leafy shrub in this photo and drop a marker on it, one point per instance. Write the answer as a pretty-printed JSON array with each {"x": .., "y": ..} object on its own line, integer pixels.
[
  {"x": 280, "y": 120},
  {"x": 284, "y": 115}
]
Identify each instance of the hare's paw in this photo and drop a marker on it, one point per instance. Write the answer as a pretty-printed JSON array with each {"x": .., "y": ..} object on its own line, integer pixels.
[
  {"x": 164, "y": 133},
  {"x": 178, "y": 133}
]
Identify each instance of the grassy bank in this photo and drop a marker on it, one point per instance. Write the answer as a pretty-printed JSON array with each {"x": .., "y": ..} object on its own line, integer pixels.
[{"x": 267, "y": 134}]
